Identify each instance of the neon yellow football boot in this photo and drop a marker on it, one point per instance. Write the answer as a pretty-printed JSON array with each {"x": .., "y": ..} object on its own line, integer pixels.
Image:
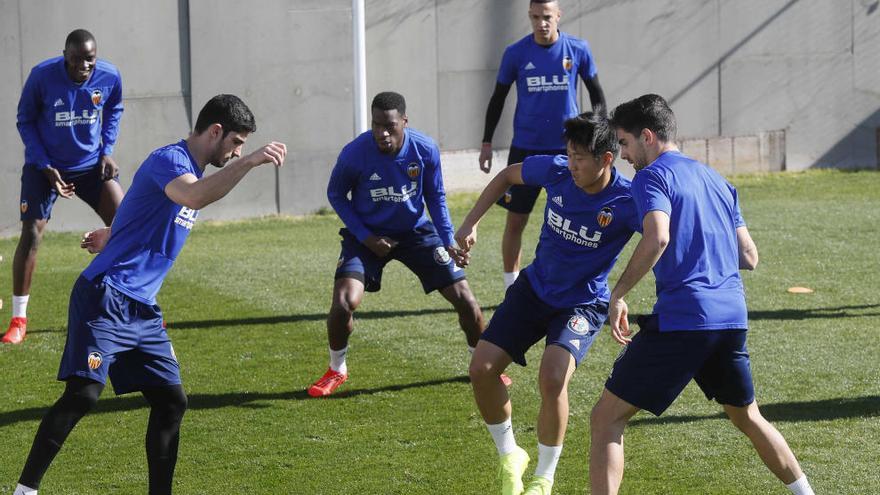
[
  {"x": 513, "y": 465},
  {"x": 539, "y": 486}
]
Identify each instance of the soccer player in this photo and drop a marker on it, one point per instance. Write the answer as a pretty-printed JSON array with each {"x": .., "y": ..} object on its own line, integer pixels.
[
  {"x": 563, "y": 295},
  {"x": 114, "y": 325},
  {"x": 545, "y": 66},
  {"x": 391, "y": 173},
  {"x": 695, "y": 239},
  {"x": 68, "y": 118}
]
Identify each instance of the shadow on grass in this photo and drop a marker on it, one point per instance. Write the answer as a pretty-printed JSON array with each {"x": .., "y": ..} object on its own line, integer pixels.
[
  {"x": 852, "y": 311},
  {"x": 819, "y": 410},
  {"x": 274, "y": 320},
  {"x": 249, "y": 400}
]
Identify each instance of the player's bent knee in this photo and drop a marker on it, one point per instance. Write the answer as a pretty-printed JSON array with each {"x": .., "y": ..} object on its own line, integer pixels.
[
  {"x": 480, "y": 371},
  {"x": 81, "y": 395},
  {"x": 552, "y": 384}
]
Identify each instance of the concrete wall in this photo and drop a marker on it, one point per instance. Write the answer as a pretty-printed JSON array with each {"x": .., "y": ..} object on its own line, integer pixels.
[{"x": 733, "y": 71}]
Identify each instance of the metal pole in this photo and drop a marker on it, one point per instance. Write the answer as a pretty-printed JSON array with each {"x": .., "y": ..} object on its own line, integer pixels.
[{"x": 360, "y": 66}]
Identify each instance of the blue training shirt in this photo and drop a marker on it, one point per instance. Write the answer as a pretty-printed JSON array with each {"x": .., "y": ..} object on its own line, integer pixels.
[
  {"x": 389, "y": 193},
  {"x": 582, "y": 235},
  {"x": 68, "y": 125},
  {"x": 698, "y": 282},
  {"x": 546, "y": 87},
  {"x": 149, "y": 229}
]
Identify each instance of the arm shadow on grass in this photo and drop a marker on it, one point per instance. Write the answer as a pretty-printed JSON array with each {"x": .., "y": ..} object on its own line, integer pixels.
[
  {"x": 218, "y": 401},
  {"x": 851, "y": 311},
  {"x": 818, "y": 410}
]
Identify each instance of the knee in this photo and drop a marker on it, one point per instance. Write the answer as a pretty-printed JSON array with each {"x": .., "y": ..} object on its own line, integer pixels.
[
  {"x": 745, "y": 419},
  {"x": 81, "y": 399},
  {"x": 552, "y": 384},
  {"x": 32, "y": 234},
  {"x": 344, "y": 305},
  {"x": 172, "y": 404},
  {"x": 481, "y": 371}
]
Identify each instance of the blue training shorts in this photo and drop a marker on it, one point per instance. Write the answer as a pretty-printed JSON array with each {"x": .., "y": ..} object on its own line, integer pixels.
[
  {"x": 109, "y": 333},
  {"x": 655, "y": 367},
  {"x": 523, "y": 319},
  {"x": 421, "y": 251},
  {"x": 521, "y": 198},
  {"x": 38, "y": 196}
]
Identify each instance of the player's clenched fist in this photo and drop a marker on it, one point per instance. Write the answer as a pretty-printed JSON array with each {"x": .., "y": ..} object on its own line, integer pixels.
[
  {"x": 466, "y": 237},
  {"x": 273, "y": 152}
]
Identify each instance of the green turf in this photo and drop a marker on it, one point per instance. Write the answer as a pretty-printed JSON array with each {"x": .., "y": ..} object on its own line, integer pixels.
[{"x": 246, "y": 304}]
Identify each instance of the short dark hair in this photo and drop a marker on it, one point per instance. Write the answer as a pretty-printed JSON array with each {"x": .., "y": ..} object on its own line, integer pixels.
[
  {"x": 646, "y": 112},
  {"x": 78, "y": 37},
  {"x": 228, "y": 111},
  {"x": 541, "y": 1},
  {"x": 389, "y": 100},
  {"x": 593, "y": 133}
]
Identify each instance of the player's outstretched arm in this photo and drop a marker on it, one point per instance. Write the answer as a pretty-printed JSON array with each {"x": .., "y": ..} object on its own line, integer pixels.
[
  {"x": 466, "y": 236},
  {"x": 189, "y": 191}
]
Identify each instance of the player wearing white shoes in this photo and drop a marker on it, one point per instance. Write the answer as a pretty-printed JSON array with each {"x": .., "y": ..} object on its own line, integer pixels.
[
  {"x": 562, "y": 296},
  {"x": 380, "y": 187}
]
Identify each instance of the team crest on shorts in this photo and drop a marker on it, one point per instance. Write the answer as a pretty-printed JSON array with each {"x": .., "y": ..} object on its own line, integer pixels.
[
  {"x": 567, "y": 63},
  {"x": 508, "y": 197},
  {"x": 605, "y": 217},
  {"x": 96, "y": 97},
  {"x": 579, "y": 325},
  {"x": 23, "y": 207},
  {"x": 441, "y": 256},
  {"x": 95, "y": 360},
  {"x": 413, "y": 170},
  {"x": 340, "y": 262}
]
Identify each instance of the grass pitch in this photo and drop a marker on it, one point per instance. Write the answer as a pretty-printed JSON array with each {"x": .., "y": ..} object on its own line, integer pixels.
[{"x": 246, "y": 304}]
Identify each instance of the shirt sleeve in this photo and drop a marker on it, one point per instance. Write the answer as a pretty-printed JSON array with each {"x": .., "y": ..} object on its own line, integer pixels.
[
  {"x": 435, "y": 198},
  {"x": 650, "y": 194},
  {"x": 166, "y": 167},
  {"x": 508, "y": 70},
  {"x": 112, "y": 113},
  {"x": 540, "y": 170},
  {"x": 738, "y": 220},
  {"x": 587, "y": 66},
  {"x": 29, "y": 108},
  {"x": 342, "y": 181}
]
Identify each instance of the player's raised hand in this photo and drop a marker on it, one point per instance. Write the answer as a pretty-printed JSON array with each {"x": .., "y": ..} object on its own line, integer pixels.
[
  {"x": 108, "y": 167},
  {"x": 617, "y": 318},
  {"x": 95, "y": 240},
  {"x": 379, "y": 245},
  {"x": 64, "y": 189},
  {"x": 466, "y": 237},
  {"x": 486, "y": 157},
  {"x": 273, "y": 152}
]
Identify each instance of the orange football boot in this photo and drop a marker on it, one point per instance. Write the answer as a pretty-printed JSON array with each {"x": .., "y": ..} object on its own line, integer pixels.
[
  {"x": 16, "y": 332},
  {"x": 327, "y": 383}
]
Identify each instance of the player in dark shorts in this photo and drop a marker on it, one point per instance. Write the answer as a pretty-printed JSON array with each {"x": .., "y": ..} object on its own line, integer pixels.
[
  {"x": 696, "y": 240},
  {"x": 391, "y": 173},
  {"x": 114, "y": 325},
  {"x": 562, "y": 296},
  {"x": 545, "y": 65},
  {"x": 68, "y": 118}
]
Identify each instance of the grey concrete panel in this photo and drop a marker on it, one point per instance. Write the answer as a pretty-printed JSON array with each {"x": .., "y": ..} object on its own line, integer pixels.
[
  {"x": 149, "y": 123},
  {"x": 720, "y": 154},
  {"x": 696, "y": 149},
  {"x": 761, "y": 28},
  {"x": 141, "y": 38},
  {"x": 303, "y": 181},
  {"x": 475, "y": 34},
  {"x": 10, "y": 83},
  {"x": 668, "y": 47},
  {"x": 463, "y": 97},
  {"x": 866, "y": 39},
  {"x": 402, "y": 56},
  {"x": 295, "y": 78},
  {"x": 747, "y": 154}
]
